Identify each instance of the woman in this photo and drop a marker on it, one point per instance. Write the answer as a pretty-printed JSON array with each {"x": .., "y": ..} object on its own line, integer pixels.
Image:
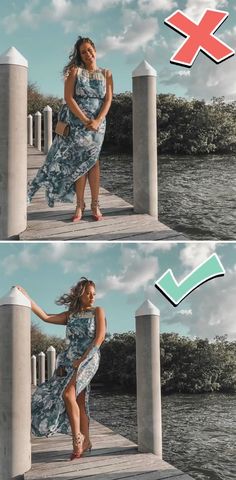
[
  {"x": 70, "y": 160},
  {"x": 60, "y": 405}
]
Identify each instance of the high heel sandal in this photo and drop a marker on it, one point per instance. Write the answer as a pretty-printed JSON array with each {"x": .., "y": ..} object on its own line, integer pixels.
[
  {"x": 78, "y": 441},
  {"x": 88, "y": 448},
  {"x": 77, "y": 218},
  {"x": 95, "y": 216}
]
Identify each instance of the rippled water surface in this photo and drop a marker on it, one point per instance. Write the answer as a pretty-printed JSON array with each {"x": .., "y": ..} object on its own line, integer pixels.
[
  {"x": 197, "y": 195},
  {"x": 199, "y": 431}
]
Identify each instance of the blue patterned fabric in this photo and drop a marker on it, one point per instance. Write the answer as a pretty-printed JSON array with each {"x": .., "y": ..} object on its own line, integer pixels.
[
  {"x": 48, "y": 408},
  {"x": 71, "y": 157}
]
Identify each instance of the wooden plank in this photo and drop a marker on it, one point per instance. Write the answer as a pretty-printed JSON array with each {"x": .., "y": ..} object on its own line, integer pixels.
[
  {"x": 113, "y": 457},
  {"x": 119, "y": 222}
]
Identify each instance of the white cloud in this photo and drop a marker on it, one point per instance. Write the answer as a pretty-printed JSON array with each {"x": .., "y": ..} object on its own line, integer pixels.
[
  {"x": 155, "y": 247},
  {"x": 60, "y": 8},
  {"x": 55, "y": 251},
  {"x": 213, "y": 308},
  {"x": 25, "y": 258},
  {"x": 67, "y": 13},
  {"x": 193, "y": 254},
  {"x": 136, "y": 35},
  {"x": 136, "y": 271},
  {"x": 195, "y": 9},
  {"x": 10, "y": 264},
  {"x": 100, "y": 5},
  {"x": 152, "y": 6},
  {"x": 186, "y": 312},
  {"x": 25, "y": 17}
]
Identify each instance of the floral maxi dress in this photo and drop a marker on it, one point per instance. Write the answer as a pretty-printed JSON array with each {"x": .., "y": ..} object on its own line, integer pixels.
[
  {"x": 48, "y": 408},
  {"x": 72, "y": 157}
]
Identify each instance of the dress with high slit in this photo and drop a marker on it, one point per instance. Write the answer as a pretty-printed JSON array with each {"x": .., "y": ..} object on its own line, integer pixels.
[
  {"x": 48, "y": 408},
  {"x": 73, "y": 156}
]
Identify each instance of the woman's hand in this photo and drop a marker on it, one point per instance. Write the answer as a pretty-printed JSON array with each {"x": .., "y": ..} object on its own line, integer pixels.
[
  {"x": 93, "y": 124},
  {"x": 76, "y": 363}
]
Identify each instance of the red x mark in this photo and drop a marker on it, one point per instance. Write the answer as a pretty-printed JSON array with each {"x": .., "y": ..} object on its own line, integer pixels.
[{"x": 199, "y": 37}]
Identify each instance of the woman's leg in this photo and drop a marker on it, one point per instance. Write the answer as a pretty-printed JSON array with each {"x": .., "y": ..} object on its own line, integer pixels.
[
  {"x": 84, "y": 421},
  {"x": 94, "y": 182},
  {"x": 73, "y": 413},
  {"x": 79, "y": 189}
]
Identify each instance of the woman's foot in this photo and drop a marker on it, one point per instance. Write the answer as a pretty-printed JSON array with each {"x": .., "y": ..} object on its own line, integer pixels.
[
  {"x": 96, "y": 212},
  {"x": 87, "y": 445},
  {"x": 78, "y": 446},
  {"x": 79, "y": 211}
]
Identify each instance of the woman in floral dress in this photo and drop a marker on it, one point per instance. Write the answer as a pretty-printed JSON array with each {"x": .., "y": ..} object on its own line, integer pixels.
[
  {"x": 61, "y": 405},
  {"x": 72, "y": 159}
]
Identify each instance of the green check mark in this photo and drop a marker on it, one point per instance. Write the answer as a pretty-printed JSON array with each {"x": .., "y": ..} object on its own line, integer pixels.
[{"x": 175, "y": 292}]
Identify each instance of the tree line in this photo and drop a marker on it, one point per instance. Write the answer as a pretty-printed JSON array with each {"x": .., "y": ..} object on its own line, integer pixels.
[
  {"x": 184, "y": 126},
  {"x": 187, "y": 365}
]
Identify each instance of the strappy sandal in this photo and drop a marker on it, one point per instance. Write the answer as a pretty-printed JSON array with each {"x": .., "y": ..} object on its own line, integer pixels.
[
  {"x": 95, "y": 216},
  {"x": 78, "y": 441},
  {"x": 89, "y": 446},
  {"x": 77, "y": 218}
]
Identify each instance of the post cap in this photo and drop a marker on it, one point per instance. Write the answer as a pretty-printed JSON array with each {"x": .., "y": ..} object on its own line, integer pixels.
[
  {"x": 47, "y": 109},
  {"x": 38, "y": 114},
  {"x": 29, "y": 116},
  {"x": 41, "y": 354},
  {"x": 144, "y": 69},
  {"x": 147, "y": 308},
  {"x": 51, "y": 349},
  {"x": 13, "y": 57},
  {"x": 15, "y": 297}
]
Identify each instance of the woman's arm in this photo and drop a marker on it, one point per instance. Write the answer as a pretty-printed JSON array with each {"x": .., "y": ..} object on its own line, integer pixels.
[
  {"x": 99, "y": 338},
  {"x": 57, "y": 318},
  {"x": 69, "y": 96},
  {"x": 94, "y": 124}
]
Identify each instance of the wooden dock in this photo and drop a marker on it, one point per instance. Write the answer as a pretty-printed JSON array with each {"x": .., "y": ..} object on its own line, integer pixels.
[
  {"x": 119, "y": 222},
  {"x": 113, "y": 457}
]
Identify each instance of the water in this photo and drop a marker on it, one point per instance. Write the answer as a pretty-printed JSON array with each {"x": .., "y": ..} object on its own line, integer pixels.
[
  {"x": 197, "y": 195},
  {"x": 199, "y": 435}
]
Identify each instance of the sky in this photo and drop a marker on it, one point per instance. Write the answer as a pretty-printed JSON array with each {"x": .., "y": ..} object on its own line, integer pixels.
[
  {"x": 125, "y": 33},
  {"x": 125, "y": 275}
]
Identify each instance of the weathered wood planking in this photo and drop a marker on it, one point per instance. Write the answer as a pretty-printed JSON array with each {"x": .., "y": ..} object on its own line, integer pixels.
[
  {"x": 119, "y": 222},
  {"x": 113, "y": 457}
]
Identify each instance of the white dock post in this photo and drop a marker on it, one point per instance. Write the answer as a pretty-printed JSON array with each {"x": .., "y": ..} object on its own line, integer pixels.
[
  {"x": 51, "y": 361},
  {"x": 145, "y": 140},
  {"x": 30, "y": 130},
  {"x": 148, "y": 379},
  {"x": 13, "y": 144},
  {"x": 41, "y": 369},
  {"x": 33, "y": 371},
  {"x": 47, "y": 128},
  {"x": 15, "y": 394},
  {"x": 38, "y": 130}
]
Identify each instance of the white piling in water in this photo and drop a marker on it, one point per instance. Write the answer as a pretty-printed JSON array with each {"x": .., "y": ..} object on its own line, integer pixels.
[
  {"x": 145, "y": 185},
  {"x": 148, "y": 379}
]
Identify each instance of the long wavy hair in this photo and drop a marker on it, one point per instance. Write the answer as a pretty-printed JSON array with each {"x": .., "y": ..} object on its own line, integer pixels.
[
  {"x": 73, "y": 298},
  {"x": 75, "y": 57}
]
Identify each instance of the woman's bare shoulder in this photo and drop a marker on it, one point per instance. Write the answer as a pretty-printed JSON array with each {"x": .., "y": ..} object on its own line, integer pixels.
[{"x": 99, "y": 310}]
